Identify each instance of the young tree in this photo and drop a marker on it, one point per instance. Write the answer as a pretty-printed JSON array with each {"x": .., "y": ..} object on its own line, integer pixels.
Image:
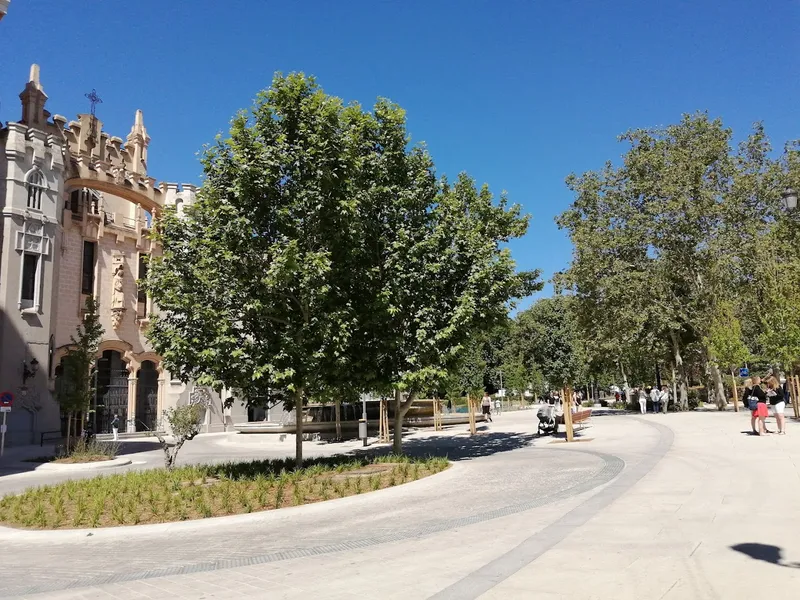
[
  {"x": 76, "y": 384},
  {"x": 184, "y": 423},
  {"x": 443, "y": 277}
]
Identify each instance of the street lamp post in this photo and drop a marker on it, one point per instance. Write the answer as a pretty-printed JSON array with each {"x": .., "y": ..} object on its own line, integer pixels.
[{"x": 789, "y": 201}]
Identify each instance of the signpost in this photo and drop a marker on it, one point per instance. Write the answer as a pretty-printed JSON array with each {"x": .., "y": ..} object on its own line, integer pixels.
[
  {"x": 744, "y": 372},
  {"x": 6, "y": 400}
]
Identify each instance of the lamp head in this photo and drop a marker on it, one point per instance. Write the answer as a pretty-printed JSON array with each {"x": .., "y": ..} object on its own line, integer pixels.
[{"x": 789, "y": 199}]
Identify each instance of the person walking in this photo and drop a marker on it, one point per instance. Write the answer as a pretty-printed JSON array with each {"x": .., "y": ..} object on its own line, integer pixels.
[
  {"x": 654, "y": 398},
  {"x": 486, "y": 406},
  {"x": 757, "y": 402},
  {"x": 778, "y": 403},
  {"x": 642, "y": 400},
  {"x": 115, "y": 427},
  {"x": 663, "y": 398}
]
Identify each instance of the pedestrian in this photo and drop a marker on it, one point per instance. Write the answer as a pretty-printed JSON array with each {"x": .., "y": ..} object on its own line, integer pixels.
[
  {"x": 115, "y": 427},
  {"x": 486, "y": 406},
  {"x": 642, "y": 400},
  {"x": 449, "y": 406},
  {"x": 663, "y": 398},
  {"x": 778, "y": 403},
  {"x": 757, "y": 402},
  {"x": 654, "y": 396}
]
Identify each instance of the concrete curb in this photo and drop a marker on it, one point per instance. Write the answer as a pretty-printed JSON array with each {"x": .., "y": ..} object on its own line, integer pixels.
[{"x": 90, "y": 466}]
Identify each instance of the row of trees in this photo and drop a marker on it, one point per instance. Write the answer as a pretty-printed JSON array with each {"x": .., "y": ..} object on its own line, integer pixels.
[
  {"x": 324, "y": 257},
  {"x": 685, "y": 256}
]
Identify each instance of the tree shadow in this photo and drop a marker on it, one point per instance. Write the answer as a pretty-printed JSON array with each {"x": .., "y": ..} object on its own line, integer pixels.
[
  {"x": 484, "y": 443},
  {"x": 765, "y": 553}
]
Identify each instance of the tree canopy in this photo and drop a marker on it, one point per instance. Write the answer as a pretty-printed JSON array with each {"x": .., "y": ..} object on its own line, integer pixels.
[{"x": 323, "y": 253}]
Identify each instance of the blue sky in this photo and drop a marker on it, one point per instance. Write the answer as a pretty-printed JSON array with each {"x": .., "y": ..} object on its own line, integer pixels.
[{"x": 518, "y": 93}]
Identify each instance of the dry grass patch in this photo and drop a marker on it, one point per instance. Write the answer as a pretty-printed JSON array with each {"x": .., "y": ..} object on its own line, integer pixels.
[{"x": 161, "y": 496}]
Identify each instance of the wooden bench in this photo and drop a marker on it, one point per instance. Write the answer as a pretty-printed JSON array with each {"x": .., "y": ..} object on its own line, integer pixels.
[
  {"x": 54, "y": 435},
  {"x": 578, "y": 418}
]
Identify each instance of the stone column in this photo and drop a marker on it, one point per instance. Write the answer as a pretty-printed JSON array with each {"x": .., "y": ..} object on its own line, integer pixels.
[
  {"x": 133, "y": 385},
  {"x": 160, "y": 402}
]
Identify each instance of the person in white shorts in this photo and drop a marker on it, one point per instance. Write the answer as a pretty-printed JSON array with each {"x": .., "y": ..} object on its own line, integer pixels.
[{"x": 775, "y": 396}]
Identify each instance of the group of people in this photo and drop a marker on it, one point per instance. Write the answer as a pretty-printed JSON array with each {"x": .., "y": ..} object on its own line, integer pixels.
[
  {"x": 658, "y": 397},
  {"x": 758, "y": 400}
]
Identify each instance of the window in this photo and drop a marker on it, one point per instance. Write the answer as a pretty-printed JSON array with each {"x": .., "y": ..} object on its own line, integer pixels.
[
  {"x": 87, "y": 270},
  {"x": 30, "y": 268},
  {"x": 141, "y": 295},
  {"x": 35, "y": 184},
  {"x": 33, "y": 245}
]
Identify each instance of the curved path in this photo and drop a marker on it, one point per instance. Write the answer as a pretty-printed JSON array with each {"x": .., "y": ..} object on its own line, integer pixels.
[{"x": 510, "y": 501}]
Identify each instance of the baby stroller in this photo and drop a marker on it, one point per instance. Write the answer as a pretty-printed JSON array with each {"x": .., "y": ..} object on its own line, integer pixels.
[{"x": 547, "y": 419}]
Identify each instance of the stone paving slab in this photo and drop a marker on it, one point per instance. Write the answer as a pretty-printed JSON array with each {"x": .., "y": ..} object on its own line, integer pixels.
[
  {"x": 673, "y": 533},
  {"x": 502, "y": 484}
]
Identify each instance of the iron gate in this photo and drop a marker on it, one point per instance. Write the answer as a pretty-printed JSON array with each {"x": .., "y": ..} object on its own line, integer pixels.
[
  {"x": 146, "y": 406},
  {"x": 112, "y": 399}
]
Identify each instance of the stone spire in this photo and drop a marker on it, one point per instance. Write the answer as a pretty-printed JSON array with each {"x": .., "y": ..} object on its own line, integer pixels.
[
  {"x": 138, "y": 140},
  {"x": 33, "y": 100}
]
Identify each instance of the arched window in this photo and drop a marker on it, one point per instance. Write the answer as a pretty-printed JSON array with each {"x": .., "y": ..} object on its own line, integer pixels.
[{"x": 35, "y": 184}]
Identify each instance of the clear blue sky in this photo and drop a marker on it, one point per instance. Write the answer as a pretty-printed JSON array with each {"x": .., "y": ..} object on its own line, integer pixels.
[{"x": 518, "y": 93}]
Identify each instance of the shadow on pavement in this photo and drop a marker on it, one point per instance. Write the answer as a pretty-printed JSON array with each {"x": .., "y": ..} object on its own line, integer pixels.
[
  {"x": 766, "y": 553},
  {"x": 484, "y": 443}
]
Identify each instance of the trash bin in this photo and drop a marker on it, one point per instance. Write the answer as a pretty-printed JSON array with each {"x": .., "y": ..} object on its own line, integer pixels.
[{"x": 362, "y": 430}]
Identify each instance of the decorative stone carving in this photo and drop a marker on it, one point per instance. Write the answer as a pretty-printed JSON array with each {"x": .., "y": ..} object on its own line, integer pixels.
[
  {"x": 118, "y": 292},
  {"x": 200, "y": 396}
]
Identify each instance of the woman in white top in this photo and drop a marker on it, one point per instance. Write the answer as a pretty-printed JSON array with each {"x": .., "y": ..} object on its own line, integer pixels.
[
  {"x": 663, "y": 398},
  {"x": 642, "y": 400}
]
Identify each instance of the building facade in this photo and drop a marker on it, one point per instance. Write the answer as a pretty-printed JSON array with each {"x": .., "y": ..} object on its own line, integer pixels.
[{"x": 77, "y": 206}]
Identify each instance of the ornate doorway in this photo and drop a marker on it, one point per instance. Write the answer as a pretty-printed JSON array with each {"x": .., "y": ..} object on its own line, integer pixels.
[
  {"x": 112, "y": 391},
  {"x": 147, "y": 397}
]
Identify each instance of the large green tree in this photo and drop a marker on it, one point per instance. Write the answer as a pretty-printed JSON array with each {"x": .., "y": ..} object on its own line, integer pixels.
[
  {"x": 443, "y": 279},
  {"x": 253, "y": 285},
  {"x": 662, "y": 239},
  {"x": 545, "y": 338}
]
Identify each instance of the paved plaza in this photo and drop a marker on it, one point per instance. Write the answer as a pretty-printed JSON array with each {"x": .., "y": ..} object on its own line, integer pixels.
[{"x": 679, "y": 506}]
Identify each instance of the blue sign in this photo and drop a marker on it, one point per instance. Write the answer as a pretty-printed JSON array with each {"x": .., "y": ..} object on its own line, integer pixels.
[
  {"x": 744, "y": 372},
  {"x": 6, "y": 399}
]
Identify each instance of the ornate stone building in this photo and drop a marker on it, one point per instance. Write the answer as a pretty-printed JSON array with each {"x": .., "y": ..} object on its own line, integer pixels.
[{"x": 77, "y": 206}]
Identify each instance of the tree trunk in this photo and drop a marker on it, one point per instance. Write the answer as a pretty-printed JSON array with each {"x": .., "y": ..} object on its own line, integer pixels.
[
  {"x": 735, "y": 392},
  {"x": 719, "y": 388},
  {"x": 338, "y": 411},
  {"x": 69, "y": 430},
  {"x": 626, "y": 388},
  {"x": 298, "y": 429},
  {"x": 683, "y": 386},
  {"x": 674, "y": 388},
  {"x": 400, "y": 409}
]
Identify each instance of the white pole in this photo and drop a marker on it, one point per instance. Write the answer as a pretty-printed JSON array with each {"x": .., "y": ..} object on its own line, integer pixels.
[{"x": 3, "y": 435}]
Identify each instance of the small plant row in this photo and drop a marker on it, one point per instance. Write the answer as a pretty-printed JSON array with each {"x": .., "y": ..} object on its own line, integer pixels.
[{"x": 198, "y": 492}]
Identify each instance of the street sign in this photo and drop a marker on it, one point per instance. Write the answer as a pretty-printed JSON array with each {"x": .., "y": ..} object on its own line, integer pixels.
[
  {"x": 6, "y": 399},
  {"x": 5, "y": 409},
  {"x": 501, "y": 393},
  {"x": 744, "y": 372}
]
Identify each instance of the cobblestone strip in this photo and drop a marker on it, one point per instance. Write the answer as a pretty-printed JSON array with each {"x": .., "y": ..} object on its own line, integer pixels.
[
  {"x": 481, "y": 581},
  {"x": 612, "y": 466}
]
